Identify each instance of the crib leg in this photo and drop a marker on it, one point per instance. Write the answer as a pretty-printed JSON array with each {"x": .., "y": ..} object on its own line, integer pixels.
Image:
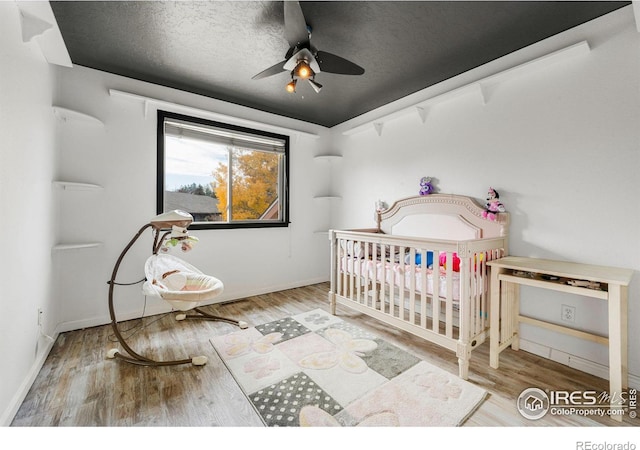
[
  {"x": 463, "y": 368},
  {"x": 464, "y": 355},
  {"x": 332, "y": 302}
]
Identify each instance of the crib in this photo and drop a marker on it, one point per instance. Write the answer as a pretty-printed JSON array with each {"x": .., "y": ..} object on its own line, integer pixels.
[{"x": 423, "y": 270}]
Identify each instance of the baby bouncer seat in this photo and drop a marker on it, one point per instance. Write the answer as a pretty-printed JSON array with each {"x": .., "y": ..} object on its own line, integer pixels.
[
  {"x": 178, "y": 282},
  {"x": 172, "y": 279}
]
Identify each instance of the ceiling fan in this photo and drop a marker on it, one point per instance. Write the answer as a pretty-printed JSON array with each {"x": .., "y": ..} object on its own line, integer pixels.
[{"x": 303, "y": 60}]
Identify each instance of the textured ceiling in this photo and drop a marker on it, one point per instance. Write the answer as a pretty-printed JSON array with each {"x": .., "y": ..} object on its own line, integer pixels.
[{"x": 213, "y": 48}]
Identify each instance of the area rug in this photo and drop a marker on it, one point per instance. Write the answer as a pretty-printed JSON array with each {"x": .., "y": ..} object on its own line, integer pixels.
[{"x": 314, "y": 369}]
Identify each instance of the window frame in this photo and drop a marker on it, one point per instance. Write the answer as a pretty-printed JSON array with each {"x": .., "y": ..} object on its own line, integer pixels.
[{"x": 283, "y": 179}]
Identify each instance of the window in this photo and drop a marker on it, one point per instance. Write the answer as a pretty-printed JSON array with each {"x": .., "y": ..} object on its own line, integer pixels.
[{"x": 225, "y": 176}]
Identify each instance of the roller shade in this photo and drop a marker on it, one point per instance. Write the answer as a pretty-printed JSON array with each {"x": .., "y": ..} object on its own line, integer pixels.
[{"x": 207, "y": 133}]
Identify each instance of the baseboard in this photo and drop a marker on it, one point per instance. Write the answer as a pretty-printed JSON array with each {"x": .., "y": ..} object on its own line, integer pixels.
[
  {"x": 23, "y": 390},
  {"x": 163, "y": 309},
  {"x": 576, "y": 362},
  {"x": 269, "y": 289}
]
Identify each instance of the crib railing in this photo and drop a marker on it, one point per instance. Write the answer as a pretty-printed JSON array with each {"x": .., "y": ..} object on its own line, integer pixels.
[{"x": 437, "y": 289}]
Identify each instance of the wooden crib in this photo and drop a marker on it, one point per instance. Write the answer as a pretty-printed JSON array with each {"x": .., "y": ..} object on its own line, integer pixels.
[{"x": 423, "y": 245}]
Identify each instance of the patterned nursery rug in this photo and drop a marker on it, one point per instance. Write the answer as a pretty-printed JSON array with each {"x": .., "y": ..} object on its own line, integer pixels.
[{"x": 314, "y": 369}]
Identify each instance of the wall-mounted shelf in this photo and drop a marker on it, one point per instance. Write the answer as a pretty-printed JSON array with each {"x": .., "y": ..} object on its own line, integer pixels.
[
  {"x": 329, "y": 158},
  {"x": 74, "y": 186},
  {"x": 481, "y": 88},
  {"x": 326, "y": 197},
  {"x": 150, "y": 102},
  {"x": 77, "y": 246},
  {"x": 66, "y": 114}
]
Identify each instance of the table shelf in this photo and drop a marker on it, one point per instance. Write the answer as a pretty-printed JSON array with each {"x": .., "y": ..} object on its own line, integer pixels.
[{"x": 555, "y": 285}]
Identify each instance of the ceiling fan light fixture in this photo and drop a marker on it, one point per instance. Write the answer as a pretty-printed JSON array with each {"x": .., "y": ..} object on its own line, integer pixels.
[
  {"x": 315, "y": 85},
  {"x": 291, "y": 86},
  {"x": 303, "y": 70}
]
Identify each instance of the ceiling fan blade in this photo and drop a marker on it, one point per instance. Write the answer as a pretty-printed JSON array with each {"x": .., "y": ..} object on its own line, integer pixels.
[
  {"x": 295, "y": 25},
  {"x": 273, "y": 70},
  {"x": 331, "y": 63}
]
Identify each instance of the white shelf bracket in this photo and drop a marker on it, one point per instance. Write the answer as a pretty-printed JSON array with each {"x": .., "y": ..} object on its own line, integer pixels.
[
  {"x": 32, "y": 26},
  {"x": 145, "y": 108},
  {"x": 486, "y": 90},
  {"x": 423, "y": 112},
  {"x": 378, "y": 127}
]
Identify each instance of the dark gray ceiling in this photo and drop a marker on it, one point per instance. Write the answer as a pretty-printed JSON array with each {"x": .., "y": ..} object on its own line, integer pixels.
[{"x": 213, "y": 48}]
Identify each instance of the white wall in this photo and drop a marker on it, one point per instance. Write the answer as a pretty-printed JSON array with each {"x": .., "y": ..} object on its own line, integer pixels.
[
  {"x": 121, "y": 157},
  {"x": 562, "y": 147},
  {"x": 27, "y": 221}
]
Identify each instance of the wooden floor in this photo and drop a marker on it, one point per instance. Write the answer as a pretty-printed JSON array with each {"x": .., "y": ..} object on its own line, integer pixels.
[{"x": 78, "y": 386}]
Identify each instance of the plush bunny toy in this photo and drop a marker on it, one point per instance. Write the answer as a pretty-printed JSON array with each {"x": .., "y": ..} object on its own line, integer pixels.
[
  {"x": 493, "y": 205},
  {"x": 426, "y": 187}
]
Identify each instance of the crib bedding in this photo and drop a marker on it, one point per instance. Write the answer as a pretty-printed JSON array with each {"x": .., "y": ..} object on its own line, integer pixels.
[
  {"x": 403, "y": 267},
  {"x": 403, "y": 275}
]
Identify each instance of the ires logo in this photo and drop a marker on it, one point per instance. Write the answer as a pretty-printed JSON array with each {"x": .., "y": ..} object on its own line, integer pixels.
[
  {"x": 534, "y": 403},
  {"x": 575, "y": 398},
  {"x": 587, "y": 398}
]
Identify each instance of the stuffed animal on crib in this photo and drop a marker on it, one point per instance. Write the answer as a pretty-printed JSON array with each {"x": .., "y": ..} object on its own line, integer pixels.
[
  {"x": 426, "y": 186},
  {"x": 493, "y": 205}
]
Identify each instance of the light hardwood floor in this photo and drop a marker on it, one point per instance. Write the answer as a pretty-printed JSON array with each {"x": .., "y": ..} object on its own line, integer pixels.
[{"x": 79, "y": 386}]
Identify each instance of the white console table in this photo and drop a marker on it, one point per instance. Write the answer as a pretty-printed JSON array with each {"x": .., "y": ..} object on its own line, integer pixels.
[{"x": 606, "y": 283}]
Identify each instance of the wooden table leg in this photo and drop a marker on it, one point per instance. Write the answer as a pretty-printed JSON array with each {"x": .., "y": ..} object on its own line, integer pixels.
[
  {"x": 513, "y": 296},
  {"x": 618, "y": 373},
  {"x": 494, "y": 311}
]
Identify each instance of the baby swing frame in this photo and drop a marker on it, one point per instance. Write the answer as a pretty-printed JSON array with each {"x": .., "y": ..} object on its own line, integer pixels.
[{"x": 162, "y": 222}]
